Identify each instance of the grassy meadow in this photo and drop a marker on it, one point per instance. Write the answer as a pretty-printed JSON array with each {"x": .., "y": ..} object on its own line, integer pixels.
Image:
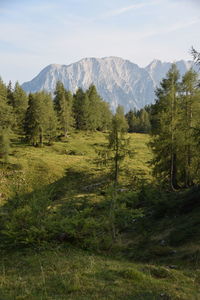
[
  {"x": 47, "y": 190},
  {"x": 30, "y": 168}
]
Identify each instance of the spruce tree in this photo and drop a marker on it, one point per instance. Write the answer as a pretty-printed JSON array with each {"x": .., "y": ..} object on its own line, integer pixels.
[
  {"x": 112, "y": 156},
  {"x": 79, "y": 109},
  {"x": 20, "y": 104},
  {"x": 117, "y": 147},
  {"x": 90, "y": 111},
  {"x": 118, "y": 144},
  {"x": 50, "y": 121},
  {"x": 189, "y": 116},
  {"x": 40, "y": 119},
  {"x": 144, "y": 121},
  {"x": 10, "y": 94},
  {"x": 6, "y": 122},
  {"x": 165, "y": 130},
  {"x": 132, "y": 121},
  {"x": 94, "y": 115},
  {"x": 6, "y": 111},
  {"x": 105, "y": 116},
  {"x": 63, "y": 105}
]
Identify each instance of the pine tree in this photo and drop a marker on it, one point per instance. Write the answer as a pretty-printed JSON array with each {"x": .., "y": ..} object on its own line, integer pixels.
[
  {"x": 144, "y": 121},
  {"x": 94, "y": 115},
  {"x": 6, "y": 111},
  {"x": 132, "y": 121},
  {"x": 32, "y": 120},
  {"x": 112, "y": 156},
  {"x": 164, "y": 129},
  {"x": 19, "y": 102},
  {"x": 6, "y": 122},
  {"x": 10, "y": 94},
  {"x": 118, "y": 145},
  {"x": 79, "y": 108},
  {"x": 40, "y": 119},
  {"x": 188, "y": 97},
  {"x": 105, "y": 116},
  {"x": 50, "y": 119},
  {"x": 63, "y": 105},
  {"x": 139, "y": 121}
]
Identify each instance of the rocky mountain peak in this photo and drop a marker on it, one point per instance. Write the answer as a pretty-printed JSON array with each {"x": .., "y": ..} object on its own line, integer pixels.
[{"x": 118, "y": 81}]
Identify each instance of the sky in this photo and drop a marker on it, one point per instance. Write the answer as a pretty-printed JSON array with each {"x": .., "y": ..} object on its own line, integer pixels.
[{"x": 36, "y": 33}]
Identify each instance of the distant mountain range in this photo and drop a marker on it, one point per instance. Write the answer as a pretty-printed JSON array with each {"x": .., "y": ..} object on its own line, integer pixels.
[{"x": 118, "y": 81}]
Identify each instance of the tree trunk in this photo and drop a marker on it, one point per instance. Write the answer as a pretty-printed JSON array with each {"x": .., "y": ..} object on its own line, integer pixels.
[{"x": 40, "y": 136}]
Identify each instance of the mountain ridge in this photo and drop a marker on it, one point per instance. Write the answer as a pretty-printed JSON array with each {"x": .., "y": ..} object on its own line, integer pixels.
[{"x": 119, "y": 81}]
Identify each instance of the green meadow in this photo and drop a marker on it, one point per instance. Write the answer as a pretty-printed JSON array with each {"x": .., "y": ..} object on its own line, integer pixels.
[{"x": 56, "y": 243}]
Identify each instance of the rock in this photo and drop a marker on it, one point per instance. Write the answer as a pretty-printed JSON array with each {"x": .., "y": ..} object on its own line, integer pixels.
[
  {"x": 163, "y": 243},
  {"x": 173, "y": 267}
]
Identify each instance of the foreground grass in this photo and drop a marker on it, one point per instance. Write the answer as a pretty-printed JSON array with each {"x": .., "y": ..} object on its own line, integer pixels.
[
  {"x": 73, "y": 274},
  {"x": 68, "y": 173}
]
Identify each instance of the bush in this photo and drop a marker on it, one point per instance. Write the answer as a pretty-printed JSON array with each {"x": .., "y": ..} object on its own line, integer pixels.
[{"x": 25, "y": 219}]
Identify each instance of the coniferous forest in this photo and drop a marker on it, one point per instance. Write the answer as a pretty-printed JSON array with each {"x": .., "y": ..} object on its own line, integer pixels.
[{"x": 98, "y": 204}]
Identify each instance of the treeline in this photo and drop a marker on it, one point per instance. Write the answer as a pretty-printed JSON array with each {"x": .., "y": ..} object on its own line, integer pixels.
[
  {"x": 40, "y": 118},
  {"x": 175, "y": 121},
  {"x": 139, "y": 120}
]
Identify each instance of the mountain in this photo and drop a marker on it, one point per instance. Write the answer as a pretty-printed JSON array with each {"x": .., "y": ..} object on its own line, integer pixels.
[
  {"x": 118, "y": 81},
  {"x": 157, "y": 69}
]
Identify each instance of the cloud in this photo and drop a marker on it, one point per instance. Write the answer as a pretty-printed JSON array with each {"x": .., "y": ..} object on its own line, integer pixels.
[
  {"x": 189, "y": 2},
  {"x": 132, "y": 7},
  {"x": 172, "y": 28}
]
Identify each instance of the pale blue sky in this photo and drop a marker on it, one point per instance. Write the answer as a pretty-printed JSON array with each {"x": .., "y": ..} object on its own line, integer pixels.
[{"x": 35, "y": 33}]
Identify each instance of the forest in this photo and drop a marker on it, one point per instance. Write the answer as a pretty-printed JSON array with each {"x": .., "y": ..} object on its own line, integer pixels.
[{"x": 100, "y": 204}]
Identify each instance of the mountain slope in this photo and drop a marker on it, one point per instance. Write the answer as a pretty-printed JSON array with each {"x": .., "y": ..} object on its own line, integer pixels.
[
  {"x": 157, "y": 69},
  {"x": 117, "y": 80}
]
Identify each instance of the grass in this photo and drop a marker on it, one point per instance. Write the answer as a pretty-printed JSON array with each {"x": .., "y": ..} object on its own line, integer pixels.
[
  {"x": 58, "y": 271},
  {"x": 31, "y": 167},
  {"x": 69, "y": 273}
]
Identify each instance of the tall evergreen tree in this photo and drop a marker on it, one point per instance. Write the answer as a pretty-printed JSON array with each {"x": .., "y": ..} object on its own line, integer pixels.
[
  {"x": 113, "y": 155},
  {"x": 20, "y": 104},
  {"x": 117, "y": 147},
  {"x": 188, "y": 116},
  {"x": 6, "y": 122},
  {"x": 105, "y": 116},
  {"x": 50, "y": 119},
  {"x": 175, "y": 127},
  {"x": 80, "y": 108},
  {"x": 10, "y": 94},
  {"x": 63, "y": 105},
  {"x": 132, "y": 121},
  {"x": 144, "y": 121},
  {"x": 40, "y": 119},
  {"x": 139, "y": 121},
  {"x": 117, "y": 143},
  {"x": 90, "y": 111},
  {"x": 94, "y": 115},
  {"x": 165, "y": 131}
]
